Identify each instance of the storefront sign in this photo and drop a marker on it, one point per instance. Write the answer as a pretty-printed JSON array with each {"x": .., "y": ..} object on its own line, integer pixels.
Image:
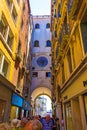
[
  {"x": 26, "y": 105},
  {"x": 16, "y": 100}
]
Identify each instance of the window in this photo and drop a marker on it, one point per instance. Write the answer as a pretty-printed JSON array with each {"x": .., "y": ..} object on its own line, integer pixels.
[
  {"x": 84, "y": 34},
  {"x": 22, "y": 24},
  {"x": 3, "y": 26},
  {"x": 48, "y": 43},
  {"x": 70, "y": 5},
  {"x": 59, "y": 8},
  {"x": 55, "y": 34},
  {"x": 57, "y": 51},
  {"x": 47, "y": 25},
  {"x": 68, "y": 112},
  {"x": 69, "y": 61},
  {"x": 35, "y": 74},
  {"x": 19, "y": 78},
  {"x": 10, "y": 39},
  {"x": 33, "y": 68},
  {"x": 14, "y": 14},
  {"x": 63, "y": 74},
  {"x": 6, "y": 34},
  {"x": 48, "y": 74},
  {"x": 4, "y": 65},
  {"x": 85, "y": 104},
  {"x": 9, "y": 3},
  {"x": 37, "y": 26},
  {"x": 36, "y": 43},
  {"x": 23, "y": 7},
  {"x": 24, "y": 60},
  {"x": 19, "y": 47}
]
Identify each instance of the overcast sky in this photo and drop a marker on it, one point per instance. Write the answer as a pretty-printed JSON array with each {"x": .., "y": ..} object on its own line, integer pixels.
[{"x": 40, "y": 7}]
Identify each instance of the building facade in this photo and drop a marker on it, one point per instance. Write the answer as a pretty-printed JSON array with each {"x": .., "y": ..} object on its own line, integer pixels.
[
  {"x": 69, "y": 55},
  {"x": 10, "y": 18},
  {"x": 20, "y": 69},
  {"x": 41, "y": 55},
  {"x": 11, "y": 13}
]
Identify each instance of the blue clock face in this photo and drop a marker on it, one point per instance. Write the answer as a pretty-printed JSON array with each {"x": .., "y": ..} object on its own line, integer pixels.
[{"x": 42, "y": 61}]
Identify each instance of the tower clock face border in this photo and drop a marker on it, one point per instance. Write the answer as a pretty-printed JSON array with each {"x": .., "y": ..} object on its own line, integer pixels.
[{"x": 42, "y": 61}]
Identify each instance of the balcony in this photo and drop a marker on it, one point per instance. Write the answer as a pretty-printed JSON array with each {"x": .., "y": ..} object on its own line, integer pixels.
[
  {"x": 63, "y": 10},
  {"x": 18, "y": 59},
  {"x": 65, "y": 39},
  {"x": 19, "y": 56},
  {"x": 74, "y": 8},
  {"x": 55, "y": 36},
  {"x": 23, "y": 70},
  {"x": 59, "y": 57}
]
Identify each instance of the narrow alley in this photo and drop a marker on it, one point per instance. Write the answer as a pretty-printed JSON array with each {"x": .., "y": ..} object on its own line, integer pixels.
[{"x": 43, "y": 65}]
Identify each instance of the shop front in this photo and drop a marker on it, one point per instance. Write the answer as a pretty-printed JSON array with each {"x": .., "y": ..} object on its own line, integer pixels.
[
  {"x": 26, "y": 108},
  {"x": 5, "y": 103},
  {"x": 85, "y": 104},
  {"x": 20, "y": 107},
  {"x": 68, "y": 113},
  {"x": 16, "y": 108},
  {"x": 74, "y": 100}
]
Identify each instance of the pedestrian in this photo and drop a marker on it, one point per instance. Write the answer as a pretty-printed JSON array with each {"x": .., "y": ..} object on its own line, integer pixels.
[
  {"x": 53, "y": 118},
  {"x": 15, "y": 124},
  {"x": 24, "y": 121},
  {"x": 5, "y": 126},
  {"x": 33, "y": 125},
  {"x": 47, "y": 123},
  {"x": 57, "y": 124},
  {"x": 62, "y": 125}
]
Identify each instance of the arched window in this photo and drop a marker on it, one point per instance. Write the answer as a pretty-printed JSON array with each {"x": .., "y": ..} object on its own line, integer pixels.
[
  {"x": 48, "y": 43},
  {"x": 37, "y": 26},
  {"x": 36, "y": 43},
  {"x": 47, "y": 25}
]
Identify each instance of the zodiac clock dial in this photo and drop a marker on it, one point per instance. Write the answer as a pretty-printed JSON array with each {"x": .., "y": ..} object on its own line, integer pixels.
[{"x": 42, "y": 61}]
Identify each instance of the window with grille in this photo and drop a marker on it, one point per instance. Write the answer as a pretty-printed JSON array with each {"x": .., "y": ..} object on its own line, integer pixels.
[
  {"x": 69, "y": 60},
  {"x": 36, "y": 43},
  {"x": 37, "y": 26},
  {"x": 48, "y": 74},
  {"x": 48, "y": 43},
  {"x": 35, "y": 74},
  {"x": 48, "y": 25}
]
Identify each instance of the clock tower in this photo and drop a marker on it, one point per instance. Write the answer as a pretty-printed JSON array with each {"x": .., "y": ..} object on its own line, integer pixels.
[{"x": 41, "y": 53}]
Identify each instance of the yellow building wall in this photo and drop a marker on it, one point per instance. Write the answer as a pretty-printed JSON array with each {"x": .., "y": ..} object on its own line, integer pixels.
[
  {"x": 76, "y": 87},
  {"x": 15, "y": 30}
]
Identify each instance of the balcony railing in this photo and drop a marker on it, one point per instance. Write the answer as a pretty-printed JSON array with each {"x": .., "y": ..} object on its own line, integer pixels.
[
  {"x": 18, "y": 59},
  {"x": 74, "y": 9},
  {"x": 64, "y": 41},
  {"x": 19, "y": 56}
]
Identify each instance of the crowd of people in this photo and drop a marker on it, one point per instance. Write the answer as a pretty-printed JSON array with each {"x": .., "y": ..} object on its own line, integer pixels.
[{"x": 36, "y": 123}]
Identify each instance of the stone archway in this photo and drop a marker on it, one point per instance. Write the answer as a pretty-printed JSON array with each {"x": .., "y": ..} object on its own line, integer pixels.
[
  {"x": 37, "y": 92},
  {"x": 40, "y": 91}
]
